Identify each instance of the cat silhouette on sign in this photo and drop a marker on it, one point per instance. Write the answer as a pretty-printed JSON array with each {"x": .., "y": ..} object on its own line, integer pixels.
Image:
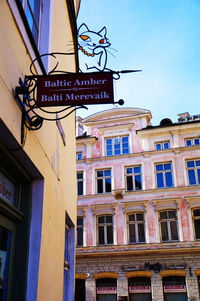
[{"x": 92, "y": 47}]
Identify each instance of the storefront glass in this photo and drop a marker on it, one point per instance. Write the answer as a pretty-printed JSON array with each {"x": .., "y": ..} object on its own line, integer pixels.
[
  {"x": 106, "y": 289},
  {"x": 139, "y": 289},
  {"x": 5, "y": 241},
  {"x": 174, "y": 288}
]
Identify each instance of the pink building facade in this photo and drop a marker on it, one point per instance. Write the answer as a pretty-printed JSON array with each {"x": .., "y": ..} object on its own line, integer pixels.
[{"x": 138, "y": 226}]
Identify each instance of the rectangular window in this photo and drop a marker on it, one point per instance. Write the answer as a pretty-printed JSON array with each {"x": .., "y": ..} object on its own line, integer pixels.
[
  {"x": 80, "y": 180},
  {"x": 168, "y": 225},
  {"x": 136, "y": 228},
  {"x": 192, "y": 141},
  {"x": 164, "y": 175},
  {"x": 196, "y": 221},
  {"x": 133, "y": 177},
  {"x": 79, "y": 156},
  {"x": 162, "y": 145},
  {"x": 79, "y": 231},
  {"x": 103, "y": 181},
  {"x": 32, "y": 10},
  {"x": 117, "y": 146},
  {"x": 105, "y": 230},
  {"x": 193, "y": 171}
]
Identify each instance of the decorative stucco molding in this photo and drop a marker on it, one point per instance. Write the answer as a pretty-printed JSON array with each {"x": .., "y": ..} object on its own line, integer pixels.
[
  {"x": 173, "y": 273},
  {"x": 197, "y": 272},
  {"x": 81, "y": 276},
  {"x": 163, "y": 204},
  {"x": 138, "y": 274},
  {"x": 82, "y": 210},
  {"x": 106, "y": 275},
  {"x": 134, "y": 206},
  {"x": 104, "y": 209}
]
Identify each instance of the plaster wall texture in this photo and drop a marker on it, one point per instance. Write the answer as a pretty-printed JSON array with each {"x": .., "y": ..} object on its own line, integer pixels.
[{"x": 44, "y": 147}]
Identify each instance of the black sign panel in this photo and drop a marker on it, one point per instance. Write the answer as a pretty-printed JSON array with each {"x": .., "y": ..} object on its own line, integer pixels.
[{"x": 75, "y": 89}]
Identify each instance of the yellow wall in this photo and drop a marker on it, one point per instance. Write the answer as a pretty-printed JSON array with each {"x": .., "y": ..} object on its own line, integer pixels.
[{"x": 44, "y": 147}]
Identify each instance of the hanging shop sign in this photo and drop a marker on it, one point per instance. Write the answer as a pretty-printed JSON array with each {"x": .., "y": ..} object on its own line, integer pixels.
[
  {"x": 139, "y": 289},
  {"x": 75, "y": 89},
  {"x": 174, "y": 288},
  {"x": 107, "y": 290}
]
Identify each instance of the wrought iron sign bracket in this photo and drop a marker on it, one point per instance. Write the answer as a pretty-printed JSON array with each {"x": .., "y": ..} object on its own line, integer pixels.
[{"x": 34, "y": 115}]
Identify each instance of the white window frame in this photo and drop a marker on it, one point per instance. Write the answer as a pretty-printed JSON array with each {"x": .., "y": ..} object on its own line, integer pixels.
[
  {"x": 120, "y": 137},
  {"x": 80, "y": 180},
  {"x": 163, "y": 172},
  {"x": 136, "y": 227},
  {"x": 104, "y": 182},
  {"x": 168, "y": 220},
  {"x": 195, "y": 171},
  {"x": 162, "y": 144},
  {"x": 105, "y": 224},
  {"x": 133, "y": 176},
  {"x": 192, "y": 141}
]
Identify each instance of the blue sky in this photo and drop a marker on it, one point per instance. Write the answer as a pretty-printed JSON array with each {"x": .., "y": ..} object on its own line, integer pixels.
[{"x": 160, "y": 37}]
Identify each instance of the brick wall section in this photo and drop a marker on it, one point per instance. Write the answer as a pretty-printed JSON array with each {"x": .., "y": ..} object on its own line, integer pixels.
[{"x": 118, "y": 265}]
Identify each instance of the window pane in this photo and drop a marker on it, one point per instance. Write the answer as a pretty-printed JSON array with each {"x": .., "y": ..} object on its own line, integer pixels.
[
  {"x": 166, "y": 145},
  {"x": 99, "y": 173},
  {"x": 188, "y": 142},
  {"x": 197, "y": 228},
  {"x": 132, "y": 236},
  {"x": 125, "y": 145},
  {"x": 101, "y": 235},
  {"x": 100, "y": 186},
  {"x": 167, "y": 166},
  {"x": 191, "y": 176},
  {"x": 196, "y": 212},
  {"x": 141, "y": 235},
  {"x": 109, "y": 219},
  {"x": 168, "y": 178},
  {"x": 158, "y": 146},
  {"x": 163, "y": 215},
  {"x": 190, "y": 164},
  {"x": 129, "y": 170},
  {"x": 79, "y": 236},
  {"x": 164, "y": 231},
  {"x": 172, "y": 214},
  {"x": 80, "y": 175},
  {"x": 109, "y": 147},
  {"x": 110, "y": 234},
  {"x": 139, "y": 216},
  {"x": 196, "y": 141},
  {"x": 101, "y": 219},
  {"x": 79, "y": 221},
  {"x": 107, "y": 173},
  {"x": 137, "y": 169},
  {"x": 129, "y": 181},
  {"x": 160, "y": 182},
  {"x": 174, "y": 231},
  {"x": 159, "y": 167},
  {"x": 117, "y": 149},
  {"x": 108, "y": 184},
  {"x": 138, "y": 182},
  {"x": 198, "y": 163},
  {"x": 131, "y": 217},
  {"x": 80, "y": 188}
]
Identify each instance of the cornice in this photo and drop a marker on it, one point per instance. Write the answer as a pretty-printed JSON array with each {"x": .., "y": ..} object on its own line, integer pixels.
[
  {"x": 145, "y": 154},
  {"x": 153, "y": 250}
]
